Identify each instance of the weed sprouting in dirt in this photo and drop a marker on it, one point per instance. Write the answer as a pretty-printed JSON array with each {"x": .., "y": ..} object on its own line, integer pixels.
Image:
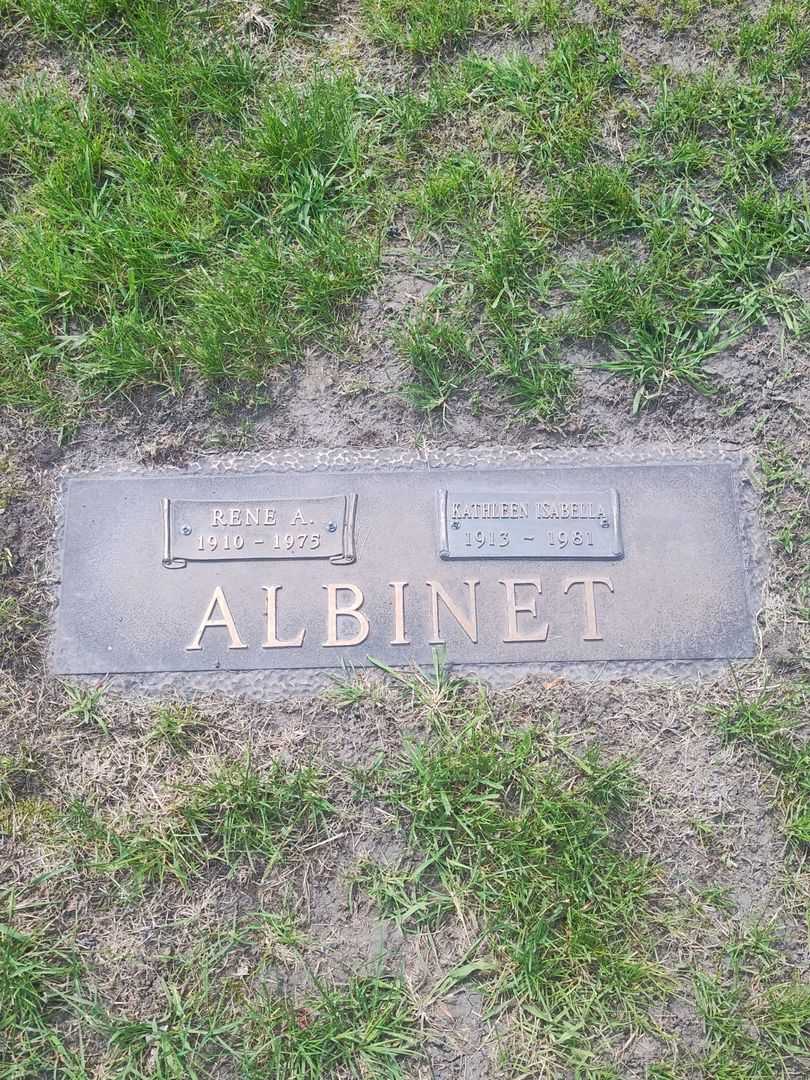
[
  {"x": 85, "y": 706},
  {"x": 665, "y": 353}
]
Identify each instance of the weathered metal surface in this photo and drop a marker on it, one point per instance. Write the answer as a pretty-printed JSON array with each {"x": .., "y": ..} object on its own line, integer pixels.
[{"x": 295, "y": 569}]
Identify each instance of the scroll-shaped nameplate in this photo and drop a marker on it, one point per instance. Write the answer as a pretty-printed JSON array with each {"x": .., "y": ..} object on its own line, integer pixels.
[
  {"x": 314, "y": 528},
  {"x": 567, "y": 524}
]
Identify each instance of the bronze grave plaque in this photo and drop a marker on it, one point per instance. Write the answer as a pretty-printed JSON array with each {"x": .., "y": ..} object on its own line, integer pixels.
[{"x": 299, "y": 568}]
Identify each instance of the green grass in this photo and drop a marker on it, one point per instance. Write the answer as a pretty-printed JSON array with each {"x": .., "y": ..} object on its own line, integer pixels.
[
  {"x": 240, "y": 814},
  {"x": 690, "y": 236},
  {"x": 752, "y": 1036},
  {"x": 786, "y": 494},
  {"x": 367, "y": 1028},
  {"x": 20, "y": 616},
  {"x": 453, "y": 189},
  {"x": 178, "y": 1042},
  {"x": 52, "y": 1021},
  {"x": 177, "y": 725},
  {"x": 175, "y": 222},
  {"x": 204, "y": 198},
  {"x": 77, "y": 20},
  {"x": 18, "y": 625},
  {"x": 528, "y": 851},
  {"x": 39, "y": 986},
  {"x": 655, "y": 357},
  {"x": 85, "y": 706},
  {"x": 424, "y": 27},
  {"x": 408, "y": 894},
  {"x": 188, "y": 216},
  {"x": 440, "y": 350},
  {"x": 765, "y": 722},
  {"x": 777, "y": 43},
  {"x": 521, "y": 871}
]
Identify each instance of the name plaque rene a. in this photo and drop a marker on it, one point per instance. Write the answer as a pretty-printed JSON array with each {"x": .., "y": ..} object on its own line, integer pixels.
[
  {"x": 296, "y": 568},
  {"x": 210, "y": 531}
]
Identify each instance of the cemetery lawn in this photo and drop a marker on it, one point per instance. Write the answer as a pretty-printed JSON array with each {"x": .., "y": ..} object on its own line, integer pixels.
[{"x": 235, "y": 226}]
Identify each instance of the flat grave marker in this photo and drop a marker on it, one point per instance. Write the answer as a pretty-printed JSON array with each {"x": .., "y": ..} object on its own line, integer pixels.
[{"x": 294, "y": 568}]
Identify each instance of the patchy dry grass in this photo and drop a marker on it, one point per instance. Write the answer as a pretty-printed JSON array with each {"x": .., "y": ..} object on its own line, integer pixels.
[
  {"x": 515, "y": 860},
  {"x": 786, "y": 495},
  {"x": 239, "y": 813},
  {"x": 51, "y": 1027}
]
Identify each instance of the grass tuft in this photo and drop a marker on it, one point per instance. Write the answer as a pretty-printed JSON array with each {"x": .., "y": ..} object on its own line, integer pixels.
[
  {"x": 765, "y": 723},
  {"x": 366, "y": 1028},
  {"x": 177, "y": 725},
  {"x": 244, "y": 813},
  {"x": 39, "y": 983},
  {"x": 241, "y": 813},
  {"x": 440, "y": 349},
  {"x": 424, "y": 27},
  {"x": 670, "y": 352},
  {"x": 530, "y": 855},
  {"x": 85, "y": 706}
]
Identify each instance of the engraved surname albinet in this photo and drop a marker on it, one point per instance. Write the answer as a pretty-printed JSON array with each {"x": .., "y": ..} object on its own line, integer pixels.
[
  {"x": 346, "y": 601},
  {"x": 209, "y": 531},
  {"x": 540, "y": 524},
  {"x": 679, "y": 591}
]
